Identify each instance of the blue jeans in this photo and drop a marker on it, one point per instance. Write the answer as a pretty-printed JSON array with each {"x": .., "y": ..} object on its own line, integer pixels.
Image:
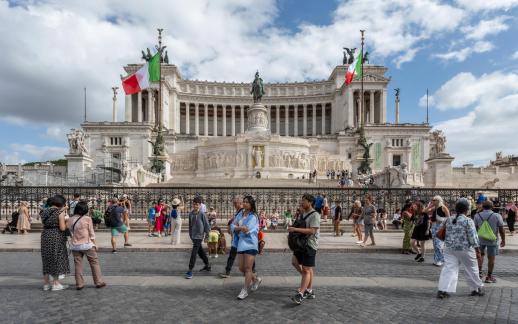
[{"x": 438, "y": 245}]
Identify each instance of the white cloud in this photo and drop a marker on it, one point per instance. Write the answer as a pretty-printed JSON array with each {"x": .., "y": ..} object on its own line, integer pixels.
[
  {"x": 486, "y": 28},
  {"x": 464, "y": 89},
  {"x": 38, "y": 153},
  {"x": 422, "y": 101},
  {"x": 487, "y": 5},
  {"x": 10, "y": 157},
  {"x": 406, "y": 57},
  {"x": 56, "y": 132},
  {"x": 463, "y": 54},
  {"x": 491, "y": 122},
  {"x": 515, "y": 56}
]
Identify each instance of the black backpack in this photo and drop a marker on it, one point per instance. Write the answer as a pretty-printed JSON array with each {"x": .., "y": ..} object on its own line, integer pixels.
[
  {"x": 298, "y": 242},
  {"x": 110, "y": 216}
]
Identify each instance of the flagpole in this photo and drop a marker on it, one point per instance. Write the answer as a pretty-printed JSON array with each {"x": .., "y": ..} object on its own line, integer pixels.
[
  {"x": 362, "y": 119},
  {"x": 85, "y": 101},
  {"x": 160, "y": 79},
  {"x": 427, "y": 105}
]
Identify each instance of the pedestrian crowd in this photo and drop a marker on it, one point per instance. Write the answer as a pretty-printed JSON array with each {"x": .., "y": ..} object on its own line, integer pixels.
[{"x": 467, "y": 234}]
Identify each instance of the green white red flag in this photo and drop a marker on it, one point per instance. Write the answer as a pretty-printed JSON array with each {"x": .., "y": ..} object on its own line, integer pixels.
[
  {"x": 355, "y": 70},
  {"x": 140, "y": 80}
]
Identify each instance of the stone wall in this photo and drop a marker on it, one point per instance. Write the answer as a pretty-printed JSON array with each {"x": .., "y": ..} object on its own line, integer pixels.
[{"x": 485, "y": 177}]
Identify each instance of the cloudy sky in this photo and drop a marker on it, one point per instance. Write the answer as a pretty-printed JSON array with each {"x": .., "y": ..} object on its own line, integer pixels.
[{"x": 464, "y": 51}]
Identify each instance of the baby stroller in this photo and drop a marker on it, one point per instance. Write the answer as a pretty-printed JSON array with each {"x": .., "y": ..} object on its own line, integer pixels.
[{"x": 11, "y": 226}]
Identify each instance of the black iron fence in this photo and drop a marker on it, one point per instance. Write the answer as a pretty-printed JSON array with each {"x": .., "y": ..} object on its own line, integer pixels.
[{"x": 268, "y": 199}]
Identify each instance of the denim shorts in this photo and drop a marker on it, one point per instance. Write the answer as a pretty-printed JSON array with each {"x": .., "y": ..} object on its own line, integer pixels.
[
  {"x": 492, "y": 250},
  {"x": 250, "y": 252}
]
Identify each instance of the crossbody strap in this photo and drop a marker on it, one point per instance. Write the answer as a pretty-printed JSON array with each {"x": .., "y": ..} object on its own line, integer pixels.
[
  {"x": 74, "y": 225},
  {"x": 304, "y": 218}
]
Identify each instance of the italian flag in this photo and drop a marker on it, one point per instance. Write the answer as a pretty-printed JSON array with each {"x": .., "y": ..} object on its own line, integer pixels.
[
  {"x": 140, "y": 80},
  {"x": 355, "y": 70}
]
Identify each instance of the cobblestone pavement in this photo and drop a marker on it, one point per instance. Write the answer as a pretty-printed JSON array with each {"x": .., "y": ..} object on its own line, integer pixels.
[{"x": 22, "y": 301}]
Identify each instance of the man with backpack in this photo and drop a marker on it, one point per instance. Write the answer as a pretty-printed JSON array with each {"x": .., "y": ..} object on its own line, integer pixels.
[
  {"x": 303, "y": 240},
  {"x": 116, "y": 218},
  {"x": 489, "y": 224}
]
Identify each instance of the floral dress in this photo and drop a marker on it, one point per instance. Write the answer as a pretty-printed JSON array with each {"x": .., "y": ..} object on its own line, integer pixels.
[{"x": 54, "y": 254}]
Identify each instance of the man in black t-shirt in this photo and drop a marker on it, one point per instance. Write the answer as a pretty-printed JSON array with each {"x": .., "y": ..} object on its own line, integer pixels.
[{"x": 337, "y": 218}]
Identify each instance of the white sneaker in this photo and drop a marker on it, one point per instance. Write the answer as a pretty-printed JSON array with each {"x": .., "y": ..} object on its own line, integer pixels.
[
  {"x": 243, "y": 294},
  {"x": 256, "y": 284},
  {"x": 439, "y": 264},
  {"x": 216, "y": 256},
  {"x": 359, "y": 242},
  {"x": 46, "y": 287},
  {"x": 59, "y": 287}
]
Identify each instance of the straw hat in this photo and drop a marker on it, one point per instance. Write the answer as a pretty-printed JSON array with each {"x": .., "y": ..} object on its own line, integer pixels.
[{"x": 176, "y": 202}]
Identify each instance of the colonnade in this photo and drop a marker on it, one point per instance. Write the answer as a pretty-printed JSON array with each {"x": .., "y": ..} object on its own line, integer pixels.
[{"x": 201, "y": 119}]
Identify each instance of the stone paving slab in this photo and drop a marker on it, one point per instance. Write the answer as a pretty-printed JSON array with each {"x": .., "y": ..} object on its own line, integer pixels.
[
  {"x": 275, "y": 242},
  {"x": 350, "y": 288}
]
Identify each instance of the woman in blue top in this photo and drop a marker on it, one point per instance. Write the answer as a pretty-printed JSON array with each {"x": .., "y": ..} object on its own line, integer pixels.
[{"x": 245, "y": 228}]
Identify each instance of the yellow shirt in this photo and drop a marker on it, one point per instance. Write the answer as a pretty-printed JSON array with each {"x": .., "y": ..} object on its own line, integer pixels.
[{"x": 213, "y": 236}]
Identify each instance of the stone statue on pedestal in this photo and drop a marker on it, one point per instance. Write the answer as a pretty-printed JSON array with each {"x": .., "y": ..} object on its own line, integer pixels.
[
  {"x": 257, "y": 88},
  {"x": 158, "y": 151},
  {"x": 365, "y": 163},
  {"x": 439, "y": 143},
  {"x": 76, "y": 142}
]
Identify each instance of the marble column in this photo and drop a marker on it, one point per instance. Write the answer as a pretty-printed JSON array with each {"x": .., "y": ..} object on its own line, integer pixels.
[
  {"x": 206, "y": 120},
  {"x": 350, "y": 107},
  {"x": 242, "y": 119},
  {"x": 323, "y": 119},
  {"x": 371, "y": 107},
  {"x": 224, "y": 119},
  {"x": 383, "y": 116},
  {"x": 139, "y": 107},
  {"x": 150, "y": 109},
  {"x": 127, "y": 108},
  {"x": 278, "y": 120},
  {"x": 233, "y": 120},
  {"x": 296, "y": 120},
  {"x": 287, "y": 118},
  {"x": 215, "y": 120},
  {"x": 151, "y": 103},
  {"x": 196, "y": 119},
  {"x": 314, "y": 132},
  {"x": 305, "y": 120},
  {"x": 187, "y": 125}
]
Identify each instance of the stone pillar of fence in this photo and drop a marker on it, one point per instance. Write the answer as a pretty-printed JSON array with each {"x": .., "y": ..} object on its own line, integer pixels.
[{"x": 440, "y": 171}]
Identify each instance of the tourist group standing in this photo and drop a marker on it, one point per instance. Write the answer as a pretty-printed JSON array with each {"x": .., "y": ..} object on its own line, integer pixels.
[{"x": 466, "y": 238}]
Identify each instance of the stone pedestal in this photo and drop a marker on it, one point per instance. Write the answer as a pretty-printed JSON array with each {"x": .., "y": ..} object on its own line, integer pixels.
[
  {"x": 355, "y": 164},
  {"x": 166, "y": 173},
  {"x": 439, "y": 173},
  {"x": 258, "y": 119},
  {"x": 78, "y": 165}
]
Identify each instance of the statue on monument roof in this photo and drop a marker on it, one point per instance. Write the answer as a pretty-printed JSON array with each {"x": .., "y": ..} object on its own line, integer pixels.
[
  {"x": 350, "y": 52},
  {"x": 257, "y": 88},
  {"x": 366, "y": 57}
]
